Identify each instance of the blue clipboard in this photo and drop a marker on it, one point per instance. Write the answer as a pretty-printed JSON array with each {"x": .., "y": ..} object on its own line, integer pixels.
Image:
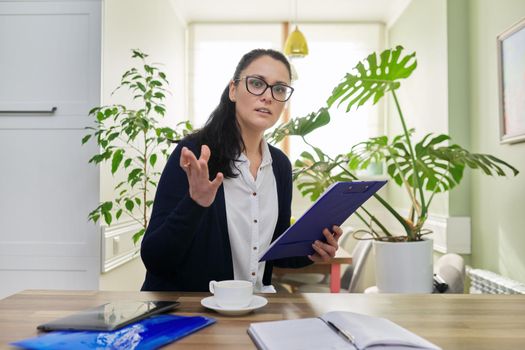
[{"x": 333, "y": 207}]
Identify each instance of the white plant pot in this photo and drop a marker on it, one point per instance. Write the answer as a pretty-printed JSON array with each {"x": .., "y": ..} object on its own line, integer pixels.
[{"x": 404, "y": 267}]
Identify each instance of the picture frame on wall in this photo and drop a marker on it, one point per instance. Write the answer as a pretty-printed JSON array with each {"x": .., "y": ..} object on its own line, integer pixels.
[{"x": 511, "y": 76}]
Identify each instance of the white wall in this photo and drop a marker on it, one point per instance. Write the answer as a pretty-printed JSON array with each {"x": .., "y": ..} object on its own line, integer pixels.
[{"x": 155, "y": 28}]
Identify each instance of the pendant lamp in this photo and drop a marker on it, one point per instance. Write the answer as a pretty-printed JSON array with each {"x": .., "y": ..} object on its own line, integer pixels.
[{"x": 295, "y": 45}]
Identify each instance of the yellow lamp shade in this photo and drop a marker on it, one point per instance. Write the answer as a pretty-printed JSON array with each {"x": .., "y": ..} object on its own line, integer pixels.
[{"x": 296, "y": 45}]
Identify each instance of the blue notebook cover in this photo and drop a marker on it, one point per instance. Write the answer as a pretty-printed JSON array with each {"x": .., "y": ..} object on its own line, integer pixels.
[
  {"x": 150, "y": 333},
  {"x": 333, "y": 207}
]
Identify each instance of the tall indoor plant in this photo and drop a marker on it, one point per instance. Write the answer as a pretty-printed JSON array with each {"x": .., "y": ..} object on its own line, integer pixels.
[
  {"x": 132, "y": 141},
  {"x": 423, "y": 167}
]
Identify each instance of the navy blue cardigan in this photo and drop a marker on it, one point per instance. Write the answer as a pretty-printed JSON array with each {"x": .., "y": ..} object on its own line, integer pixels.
[{"x": 186, "y": 245}]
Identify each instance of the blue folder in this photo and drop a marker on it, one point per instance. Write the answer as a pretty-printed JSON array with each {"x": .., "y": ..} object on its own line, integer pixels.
[
  {"x": 150, "y": 333},
  {"x": 333, "y": 207}
]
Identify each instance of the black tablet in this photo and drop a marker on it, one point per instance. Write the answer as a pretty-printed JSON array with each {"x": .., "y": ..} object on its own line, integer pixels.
[{"x": 109, "y": 316}]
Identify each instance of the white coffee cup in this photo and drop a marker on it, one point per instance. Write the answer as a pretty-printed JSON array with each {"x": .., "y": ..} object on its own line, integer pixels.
[{"x": 232, "y": 294}]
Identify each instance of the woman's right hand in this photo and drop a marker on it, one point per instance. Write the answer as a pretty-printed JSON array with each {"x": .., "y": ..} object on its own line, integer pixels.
[{"x": 202, "y": 190}]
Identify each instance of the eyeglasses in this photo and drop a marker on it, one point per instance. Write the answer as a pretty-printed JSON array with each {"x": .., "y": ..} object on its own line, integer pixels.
[{"x": 257, "y": 86}]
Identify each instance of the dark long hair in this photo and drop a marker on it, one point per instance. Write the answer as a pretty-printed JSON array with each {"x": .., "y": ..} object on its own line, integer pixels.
[{"x": 221, "y": 132}]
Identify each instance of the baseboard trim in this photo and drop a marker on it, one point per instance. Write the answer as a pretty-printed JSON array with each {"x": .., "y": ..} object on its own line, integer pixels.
[{"x": 117, "y": 247}]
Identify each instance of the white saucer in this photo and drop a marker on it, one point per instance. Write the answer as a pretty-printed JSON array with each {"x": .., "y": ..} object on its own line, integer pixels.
[{"x": 257, "y": 302}]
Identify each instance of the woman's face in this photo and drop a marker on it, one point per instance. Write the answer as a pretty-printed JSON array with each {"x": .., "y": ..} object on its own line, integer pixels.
[{"x": 259, "y": 113}]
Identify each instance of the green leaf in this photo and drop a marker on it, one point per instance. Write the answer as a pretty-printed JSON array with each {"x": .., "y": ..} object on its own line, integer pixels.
[
  {"x": 138, "y": 53},
  {"x": 117, "y": 159},
  {"x": 153, "y": 159},
  {"x": 372, "y": 77},
  {"x": 106, "y": 206},
  {"x": 86, "y": 139},
  {"x": 113, "y": 136},
  {"x": 93, "y": 110},
  {"x": 300, "y": 126},
  {"x": 127, "y": 162},
  {"x": 138, "y": 235},
  {"x": 141, "y": 86},
  {"x": 148, "y": 69},
  {"x": 118, "y": 214},
  {"x": 97, "y": 158},
  {"x": 134, "y": 181},
  {"x": 160, "y": 110},
  {"x": 129, "y": 204},
  {"x": 107, "y": 218},
  {"x": 94, "y": 217},
  {"x": 134, "y": 174},
  {"x": 314, "y": 173}
]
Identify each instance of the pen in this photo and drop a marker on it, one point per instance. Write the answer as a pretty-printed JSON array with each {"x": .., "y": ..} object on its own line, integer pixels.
[{"x": 344, "y": 333}]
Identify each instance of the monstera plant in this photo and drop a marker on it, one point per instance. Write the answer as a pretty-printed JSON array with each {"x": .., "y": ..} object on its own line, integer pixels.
[
  {"x": 424, "y": 167},
  {"x": 132, "y": 141}
]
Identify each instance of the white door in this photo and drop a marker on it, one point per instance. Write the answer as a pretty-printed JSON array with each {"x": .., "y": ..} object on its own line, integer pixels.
[{"x": 49, "y": 79}]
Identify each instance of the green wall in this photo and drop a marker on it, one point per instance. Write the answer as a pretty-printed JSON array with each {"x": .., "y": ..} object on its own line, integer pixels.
[
  {"x": 498, "y": 205},
  {"x": 458, "y": 96},
  {"x": 459, "y": 36},
  {"x": 423, "y": 97}
]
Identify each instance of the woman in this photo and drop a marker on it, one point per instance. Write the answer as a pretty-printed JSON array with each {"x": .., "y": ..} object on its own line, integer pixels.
[{"x": 225, "y": 194}]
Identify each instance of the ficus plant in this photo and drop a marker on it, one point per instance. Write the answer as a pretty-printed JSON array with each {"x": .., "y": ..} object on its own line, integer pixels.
[
  {"x": 132, "y": 141},
  {"x": 423, "y": 167}
]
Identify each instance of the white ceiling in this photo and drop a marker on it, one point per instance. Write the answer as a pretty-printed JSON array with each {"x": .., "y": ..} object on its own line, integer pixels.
[{"x": 385, "y": 11}]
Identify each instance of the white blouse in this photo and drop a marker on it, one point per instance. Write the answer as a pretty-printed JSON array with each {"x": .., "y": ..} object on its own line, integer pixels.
[{"x": 251, "y": 211}]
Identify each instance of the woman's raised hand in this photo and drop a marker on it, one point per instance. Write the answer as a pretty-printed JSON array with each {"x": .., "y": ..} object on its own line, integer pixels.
[{"x": 202, "y": 190}]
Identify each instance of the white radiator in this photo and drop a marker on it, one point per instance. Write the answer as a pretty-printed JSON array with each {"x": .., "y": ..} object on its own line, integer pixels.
[{"x": 488, "y": 282}]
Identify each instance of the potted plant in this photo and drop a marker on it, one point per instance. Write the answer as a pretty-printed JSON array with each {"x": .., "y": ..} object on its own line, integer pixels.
[
  {"x": 423, "y": 167},
  {"x": 132, "y": 141}
]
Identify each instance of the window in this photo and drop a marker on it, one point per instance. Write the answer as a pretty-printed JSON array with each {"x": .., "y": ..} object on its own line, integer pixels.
[
  {"x": 334, "y": 50},
  {"x": 215, "y": 50}
]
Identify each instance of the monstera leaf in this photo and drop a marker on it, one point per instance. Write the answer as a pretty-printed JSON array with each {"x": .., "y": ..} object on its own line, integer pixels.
[
  {"x": 315, "y": 172},
  {"x": 440, "y": 167},
  {"x": 373, "y": 77},
  {"x": 375, "y": 150},
  {"x": 435, "y": 172},
  {"x": 300, "y": 126}
]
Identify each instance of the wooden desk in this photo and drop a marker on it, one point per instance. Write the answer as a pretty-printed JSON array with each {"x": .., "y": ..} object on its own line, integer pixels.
[
  {"x": 452, "y": 321},
  {"x": 333, "y": 267}
]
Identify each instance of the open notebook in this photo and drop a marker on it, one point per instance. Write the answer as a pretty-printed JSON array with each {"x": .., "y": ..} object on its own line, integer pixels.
[{"x": 337, "y": 330}]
